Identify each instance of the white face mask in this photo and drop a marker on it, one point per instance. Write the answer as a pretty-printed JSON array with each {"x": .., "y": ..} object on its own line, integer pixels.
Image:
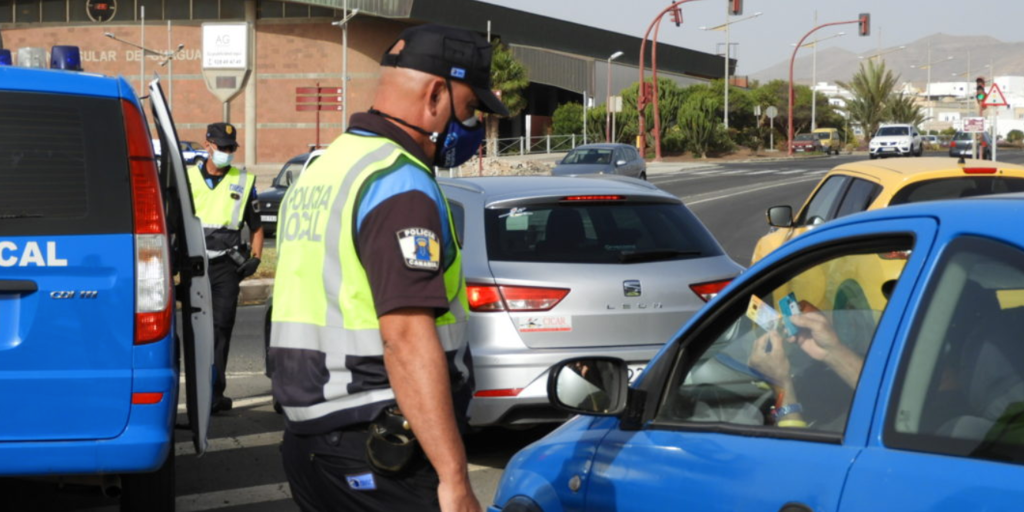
[{"x": 222, "y": 159}]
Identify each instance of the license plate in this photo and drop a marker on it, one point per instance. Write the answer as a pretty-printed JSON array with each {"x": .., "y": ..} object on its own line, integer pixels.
[
  {"x": 268, "y": 218},
  {"x": 634, "y": 370}
]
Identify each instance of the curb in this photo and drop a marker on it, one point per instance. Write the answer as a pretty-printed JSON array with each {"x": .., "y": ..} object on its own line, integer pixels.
[{"x": 255, "y": 291}]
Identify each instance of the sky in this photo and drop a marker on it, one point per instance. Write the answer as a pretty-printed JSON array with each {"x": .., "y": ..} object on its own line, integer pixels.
[{"x": 768, "y": 39}]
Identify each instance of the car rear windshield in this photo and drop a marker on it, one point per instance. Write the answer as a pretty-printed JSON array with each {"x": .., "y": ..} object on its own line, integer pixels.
[
  {"x": 892, "y": 130},
  {"x": 953, "y": 188},
  {"x": 596, "y": 232},
  {"x": 589, "y": 156},
  {"x": 63, "y": 165},
  {"x": 805, "y": 136}
]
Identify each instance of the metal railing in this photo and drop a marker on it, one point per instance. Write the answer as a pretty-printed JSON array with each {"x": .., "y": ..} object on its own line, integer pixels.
[{"x": 534, "y": 145}]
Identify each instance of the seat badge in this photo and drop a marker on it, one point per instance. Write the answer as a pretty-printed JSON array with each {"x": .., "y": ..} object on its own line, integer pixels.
[{"x": 631, "y": 288}]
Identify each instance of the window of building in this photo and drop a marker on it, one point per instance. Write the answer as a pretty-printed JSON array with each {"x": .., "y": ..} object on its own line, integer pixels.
[
  {"x": 7, "y": 14},
  {"x": 154, "y": 9},
  {"x": 178, "y": 9},
  {"x": 296, "y": 10},
  {"x": 232, "y": 9},
  {"x": 77, "y": 11},
  {"x": 321, "y": 12},
  {"x": 269, "y": 9},
  {"x": 205, "y": 10},
  {"x": 55, "y": 11},
  {"x": 26, "y": 11}
]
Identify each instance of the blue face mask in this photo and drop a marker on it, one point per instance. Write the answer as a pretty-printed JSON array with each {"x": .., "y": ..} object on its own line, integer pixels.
[
  {"x": 458, "y": 143},
  {"x": 222, "y": 159}
]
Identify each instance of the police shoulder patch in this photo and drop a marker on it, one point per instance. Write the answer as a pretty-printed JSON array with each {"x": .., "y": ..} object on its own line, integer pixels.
[{"x": 420, "y": 248}]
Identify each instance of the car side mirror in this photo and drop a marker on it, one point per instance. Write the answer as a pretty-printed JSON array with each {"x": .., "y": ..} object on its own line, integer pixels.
[
  {"x": 288, "y": 179},
  {"x": 780, "y": 216},
  {"x": 596, "y": 386},
  {"x": 620, "y": 163}
]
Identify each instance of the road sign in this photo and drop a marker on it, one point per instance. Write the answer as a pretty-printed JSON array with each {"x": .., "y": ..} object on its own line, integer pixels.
[
  {"x": 757, "y": 110},
  {"x": 616, "y": 105},
  {"x": 771, "y": 112},
  {"x": 974, "y": 124},
  {"x": 995, "y": 97},
  {"x": 226, "y": 49},
  {"x": 319, "y": 99}
]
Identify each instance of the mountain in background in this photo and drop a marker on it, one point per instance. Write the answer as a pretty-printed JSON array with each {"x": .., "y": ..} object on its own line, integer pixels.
[{"x": 838, "y": 64}]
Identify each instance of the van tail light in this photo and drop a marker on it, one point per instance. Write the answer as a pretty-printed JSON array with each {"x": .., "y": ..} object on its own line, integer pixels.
[
  {"x": 153, "y": 303},
  {"x": 895, "y": 255},
  {"x": 146, "y": 398},
  {"x": 952, "y": 143},
  {"x": 708, "y": 291},
  {"x": 980, "y": 170},
  {"x": 484, "y": 298}
]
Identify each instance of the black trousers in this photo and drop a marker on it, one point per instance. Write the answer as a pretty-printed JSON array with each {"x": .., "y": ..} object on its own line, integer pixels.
[
  {"x": 224, "y": 283},
  {"x": 330, "y": 473}
]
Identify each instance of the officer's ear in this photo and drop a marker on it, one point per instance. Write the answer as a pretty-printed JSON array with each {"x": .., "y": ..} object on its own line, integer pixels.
[{"x": 437, "y": 98}]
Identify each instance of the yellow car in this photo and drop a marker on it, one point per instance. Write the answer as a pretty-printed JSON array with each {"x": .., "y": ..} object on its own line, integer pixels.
[
  {"x": 829, "y": 138},
  {"x": 869, "y": 185}
]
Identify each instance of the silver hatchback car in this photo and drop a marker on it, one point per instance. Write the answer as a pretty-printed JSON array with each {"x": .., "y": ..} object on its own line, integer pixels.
[{"x": 560, "y": 267}]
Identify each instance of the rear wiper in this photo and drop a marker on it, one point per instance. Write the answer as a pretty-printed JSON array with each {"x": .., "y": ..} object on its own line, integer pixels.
[
  {"x": 654, "y": 255},
  {"x": 19, "y": 215}
]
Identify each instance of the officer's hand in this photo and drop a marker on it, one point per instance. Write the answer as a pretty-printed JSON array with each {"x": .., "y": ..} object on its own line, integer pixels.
[
  {"x": 249, "y": 267},
  {"x": 457, "y": 498}
]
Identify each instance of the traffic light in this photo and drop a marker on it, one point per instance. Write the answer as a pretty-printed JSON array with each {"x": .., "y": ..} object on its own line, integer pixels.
[
  {"x": 677, "y": 16},
  {"x": 735, "y": 7},
  {"x": 980, "y": 93},
  {"x": 865, "y": 24}
]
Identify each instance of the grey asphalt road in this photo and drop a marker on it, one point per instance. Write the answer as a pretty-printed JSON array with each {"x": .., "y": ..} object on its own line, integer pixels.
[{"x": 242, "y": 471}]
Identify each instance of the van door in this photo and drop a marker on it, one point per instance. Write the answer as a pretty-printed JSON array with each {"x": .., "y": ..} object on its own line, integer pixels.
[{"x": 190, "y": 263}]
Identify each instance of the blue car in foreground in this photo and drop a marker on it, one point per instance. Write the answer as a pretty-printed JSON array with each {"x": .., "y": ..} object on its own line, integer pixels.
[{"x": 905, "y": 397}]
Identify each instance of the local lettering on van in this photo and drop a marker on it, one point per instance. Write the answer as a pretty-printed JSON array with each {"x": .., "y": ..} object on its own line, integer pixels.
[{"x": 29, "y": 255}]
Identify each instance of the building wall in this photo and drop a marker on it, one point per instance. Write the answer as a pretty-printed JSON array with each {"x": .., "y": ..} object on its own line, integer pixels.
[{"x": 289, "y": 53}]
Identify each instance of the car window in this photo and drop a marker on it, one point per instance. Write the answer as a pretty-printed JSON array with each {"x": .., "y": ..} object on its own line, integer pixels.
[
  {"x": 589, "y": 156},
  {"x": 960, "y": 387},
  {"x": 953, "y": 188},
  {"x": 633, "y": 153},
  {"x": 596, "y": 232},
  {"x": 294, "y": 166},
  {"x": 888, "y": 131},
  {"x": 789, "y": 355},
  {"x": 73, "y": 180},
  {"x": 821, "y": 206},
  {"x": 858, "y": 197},
  {"x": 458, "y": 217}
]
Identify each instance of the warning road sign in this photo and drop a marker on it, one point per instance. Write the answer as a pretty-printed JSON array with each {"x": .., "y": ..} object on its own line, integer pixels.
[{"x": 995, "y": 97}]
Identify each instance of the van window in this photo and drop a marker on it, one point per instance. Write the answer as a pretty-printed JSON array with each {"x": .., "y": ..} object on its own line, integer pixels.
[{"x": 63, "y": 165}]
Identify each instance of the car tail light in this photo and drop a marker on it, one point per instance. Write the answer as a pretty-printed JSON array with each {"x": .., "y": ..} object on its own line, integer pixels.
[
  {"x": 496, "y": 393},
  {"x": 895, "y": 255},
  {"x": 708, "y": 291},
  {"x": 153, "y": 304},
  {"x": 594, "y": 198},
  {"x": 483, "y": 298},
  {"x": 146, "y": 398},
  {"x": 952, "y": 143},
  {"x": 980, "y": 170}
]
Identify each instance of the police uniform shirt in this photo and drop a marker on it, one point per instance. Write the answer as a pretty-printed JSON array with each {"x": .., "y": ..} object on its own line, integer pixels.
[
  {"x": 392, "y": 202},
  {"x": 249, "y": 214}
]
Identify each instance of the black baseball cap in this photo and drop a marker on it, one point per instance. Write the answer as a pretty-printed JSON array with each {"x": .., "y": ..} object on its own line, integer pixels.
[
  {"x": 449, "y": 52},
  {"x": 222, "y": 134}
]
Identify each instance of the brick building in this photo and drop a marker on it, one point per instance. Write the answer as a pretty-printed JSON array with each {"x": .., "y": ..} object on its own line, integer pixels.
[{"x": 295, "y": 45}]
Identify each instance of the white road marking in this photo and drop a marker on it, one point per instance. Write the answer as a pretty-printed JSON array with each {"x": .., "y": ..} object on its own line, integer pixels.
[
  {"x": 703, "y": 198},
  {"x": 233, "y": 497},
  {"x": 762, "y": 172},
  {"x": 221, "y": 444},
  {"x": 794, "y": 171},
  {"x": 230, "y": 375}
]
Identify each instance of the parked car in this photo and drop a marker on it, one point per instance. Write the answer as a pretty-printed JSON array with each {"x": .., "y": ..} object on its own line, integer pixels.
[
  {"x": 621, "y": 159},
  {"x": 192, "y": 152},
  {"x": 924, "y": 418},
  {"x": 829, "y": 139},
  {"x": 932, "y": 141},
  {"x": 962, "y": 144},
  {"x": 806, "y": 143},
  {"x": 270, "y": 199},
  {"x": 559, "y": 266},
  {"x": 896, "y": 140},
  {"x": 858, "y": 186},
  {"x": 93, "y": 236}
]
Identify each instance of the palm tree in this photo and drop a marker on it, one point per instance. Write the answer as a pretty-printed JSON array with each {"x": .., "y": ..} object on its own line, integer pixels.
[
  {"x": 872, "y": 86},
  {"x": 509, "y": 78},
  {"x": 903, "y": 109}
]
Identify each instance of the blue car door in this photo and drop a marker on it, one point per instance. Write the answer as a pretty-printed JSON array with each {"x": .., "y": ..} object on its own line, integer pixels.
[
  {"x": 740, "y": 413},
  {"x": 948, "y": 435}
]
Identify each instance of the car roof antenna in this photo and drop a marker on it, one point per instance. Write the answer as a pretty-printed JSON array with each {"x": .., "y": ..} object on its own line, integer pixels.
[{"x": 961, "y": 161}]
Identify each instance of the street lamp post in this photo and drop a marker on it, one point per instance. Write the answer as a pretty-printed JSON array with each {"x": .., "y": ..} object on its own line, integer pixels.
[
  {"x": 792, "y": 60},
  {"x": 814, "y": 77},
  {"x": 608, "y": 101},
  {"x": 928, "y": 83},
  {"x": 168, "y": 56},
  {"x": 728, "y": 56},
  {"x": 343, "y": 23}
]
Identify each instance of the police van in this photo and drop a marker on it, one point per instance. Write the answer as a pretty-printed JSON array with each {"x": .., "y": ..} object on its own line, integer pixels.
[{"x": 100, "y": 252}]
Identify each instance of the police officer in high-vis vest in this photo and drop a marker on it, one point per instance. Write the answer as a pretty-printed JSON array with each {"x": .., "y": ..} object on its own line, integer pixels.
[
  {"x": 368, "y": 341},
  {"x": 225, "y": 199}
]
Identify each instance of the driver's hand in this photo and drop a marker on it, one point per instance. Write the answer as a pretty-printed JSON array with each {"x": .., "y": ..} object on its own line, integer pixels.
[
  {"x": 816, "y": 338},
  {"x": 768, "y": 356}
]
